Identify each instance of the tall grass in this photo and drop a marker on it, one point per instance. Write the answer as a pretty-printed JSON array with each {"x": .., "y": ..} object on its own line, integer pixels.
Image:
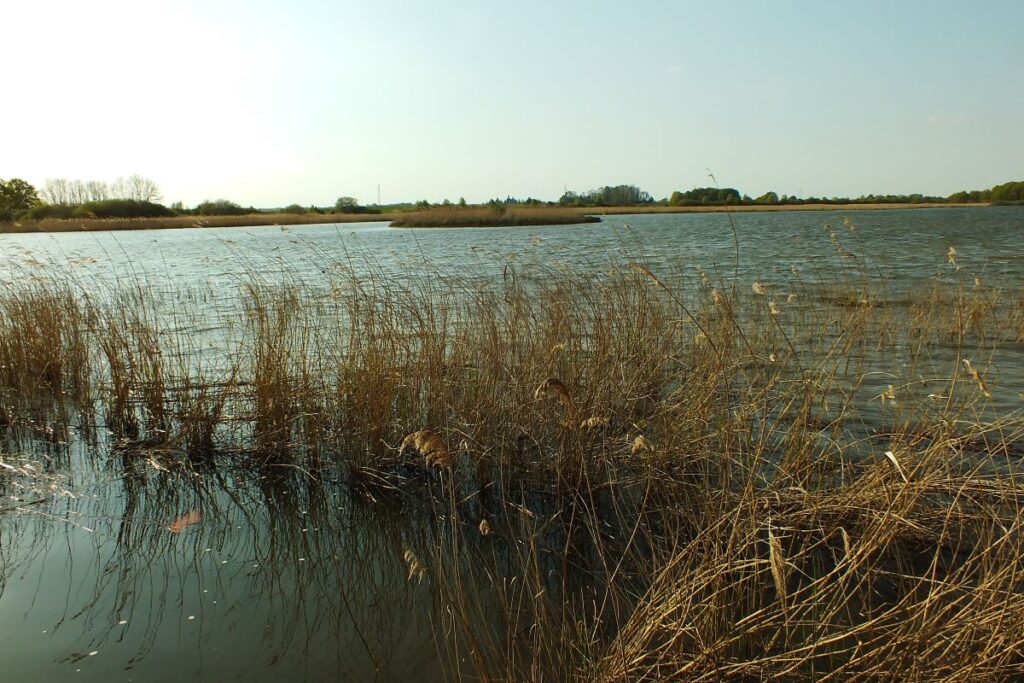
[
  {"x": 178, "y": 222},
  {"x": 644, "y": 475},
  {"x": 459, "y": 217}
]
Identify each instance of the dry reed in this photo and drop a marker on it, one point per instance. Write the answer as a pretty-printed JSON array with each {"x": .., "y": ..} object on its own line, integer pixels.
[{"x": 814, "y": 492}]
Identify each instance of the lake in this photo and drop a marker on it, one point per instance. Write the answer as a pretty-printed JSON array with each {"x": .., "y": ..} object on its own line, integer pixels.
[{"x": 116, "y": 567}]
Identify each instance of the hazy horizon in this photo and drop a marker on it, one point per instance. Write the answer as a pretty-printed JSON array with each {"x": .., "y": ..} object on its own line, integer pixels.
[{"x": 272, "y": 103}]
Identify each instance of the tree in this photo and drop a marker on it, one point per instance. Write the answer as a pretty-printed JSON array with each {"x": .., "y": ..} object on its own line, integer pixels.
[
  {"x": 16, "y": 196},
  {"x": 346, "y": 204},
  {"x": 64, "y": 192},
  {"x": 221, "y": 207},
  {"x": 1008, "y": 192},
  {"x": 768, "y": 197},
  {"x": 609, "y": 195},
  {"x": 706, "y": 195},
  {"x": 139, "y": 189},
  {"x": 56, "y": 191},
  {"x": 98, "y": 191}
]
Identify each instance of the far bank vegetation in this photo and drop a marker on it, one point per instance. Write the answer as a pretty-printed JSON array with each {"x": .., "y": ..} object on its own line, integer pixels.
[{"x": 134, "y": 202}]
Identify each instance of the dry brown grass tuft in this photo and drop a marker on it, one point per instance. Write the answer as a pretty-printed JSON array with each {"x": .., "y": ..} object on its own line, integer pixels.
[
  {"x": 429, "y": 445},
  {"x": 595, "y": 422},
  {"x": 641, "y": 444},
  {"x": 553, "y": 386}
]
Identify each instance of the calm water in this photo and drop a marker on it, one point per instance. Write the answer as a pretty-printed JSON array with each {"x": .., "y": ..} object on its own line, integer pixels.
[{"x": 279, "y": 576}]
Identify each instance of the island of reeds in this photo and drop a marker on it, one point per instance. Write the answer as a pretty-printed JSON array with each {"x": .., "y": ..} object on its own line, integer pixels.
[
  {"x": 452, "y": 217},
  {"x": 630, "y": 474}
]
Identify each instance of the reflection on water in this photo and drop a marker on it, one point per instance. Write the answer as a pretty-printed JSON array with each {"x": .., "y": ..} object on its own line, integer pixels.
[
  {"x": 282, "y": 579},
  {"x": 136, "y": 572}
]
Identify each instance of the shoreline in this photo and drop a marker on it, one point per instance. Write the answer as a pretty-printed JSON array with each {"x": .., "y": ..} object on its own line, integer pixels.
[
  {"x": 759, "y": 208},
  {"x": 273, "y": 219}
]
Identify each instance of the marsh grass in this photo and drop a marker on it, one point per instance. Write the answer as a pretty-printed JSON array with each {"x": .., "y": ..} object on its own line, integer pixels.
[
  {"x": 457, "y": 217},
  {"x": 643, "y": 475},
  {"x": 178, "y": 222}
]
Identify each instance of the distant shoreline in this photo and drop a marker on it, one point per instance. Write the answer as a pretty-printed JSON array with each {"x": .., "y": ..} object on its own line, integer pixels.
[
  {"x": 272, "y": 219},
  {"x": 756, "y": 208}
]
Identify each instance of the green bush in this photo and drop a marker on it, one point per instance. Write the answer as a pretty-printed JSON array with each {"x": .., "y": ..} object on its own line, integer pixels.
[
  {"x": 44, "y": 211},
  {"x": 121, "y": 208},
  {"x": 221, "y": 207}
]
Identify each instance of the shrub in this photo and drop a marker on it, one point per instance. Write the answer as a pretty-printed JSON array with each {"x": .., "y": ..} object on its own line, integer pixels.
[
  {"x": 121, "y": 208},
  {"x": 221, "y": 207}
]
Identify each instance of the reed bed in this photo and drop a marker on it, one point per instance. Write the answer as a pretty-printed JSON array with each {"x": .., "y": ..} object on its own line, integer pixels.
[
  {"x": 634, "y": 475},
  {"x": 178, "y": 222},
  {"x": 459, "y": 217}
]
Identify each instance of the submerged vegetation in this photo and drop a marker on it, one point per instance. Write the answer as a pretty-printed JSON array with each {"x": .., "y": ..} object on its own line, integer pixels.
[{"x": 632, "y": 474}]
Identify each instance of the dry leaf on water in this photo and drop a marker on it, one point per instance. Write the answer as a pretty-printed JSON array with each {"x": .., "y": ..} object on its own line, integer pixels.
[{"x": 185, "y": 521}]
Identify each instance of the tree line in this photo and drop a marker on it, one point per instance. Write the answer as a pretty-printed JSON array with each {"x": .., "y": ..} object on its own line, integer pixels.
[
  {"x": 1011, "y": 192},
  {"x": 609, "y": 195},
  {"x": 135, "y": 196}
]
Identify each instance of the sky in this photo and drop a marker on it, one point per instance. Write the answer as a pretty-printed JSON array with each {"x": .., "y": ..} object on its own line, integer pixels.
[{"x": 274, "y": 102}]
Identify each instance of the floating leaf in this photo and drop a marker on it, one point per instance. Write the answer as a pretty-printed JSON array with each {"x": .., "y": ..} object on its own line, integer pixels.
[{"x": 185, "y": 521}]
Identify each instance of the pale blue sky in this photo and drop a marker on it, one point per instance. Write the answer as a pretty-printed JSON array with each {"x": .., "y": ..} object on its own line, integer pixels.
[{"x": 269, "y": 102}]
